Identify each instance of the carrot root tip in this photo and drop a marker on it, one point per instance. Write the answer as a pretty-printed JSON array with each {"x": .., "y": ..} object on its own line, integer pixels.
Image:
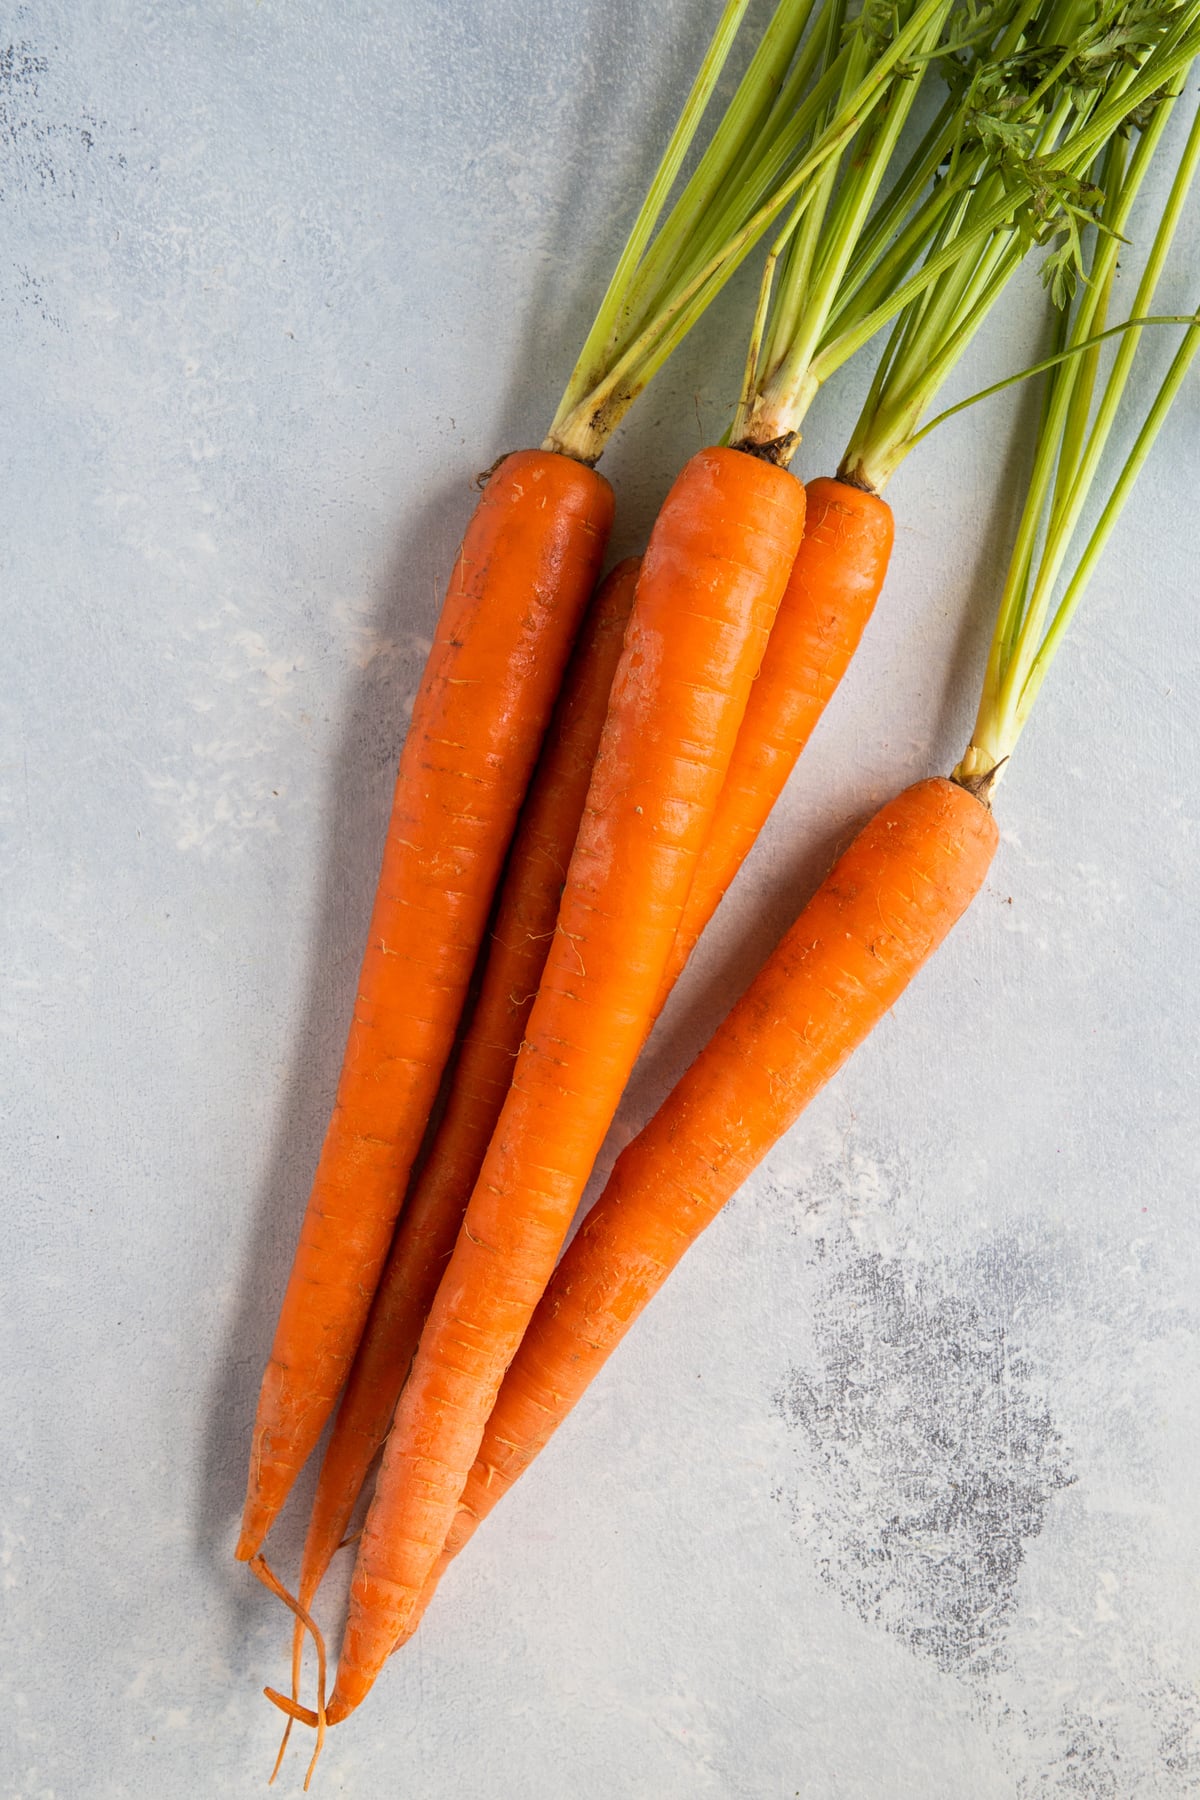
[
  {"x": 304, "y": 1715},
  {"x": 293, "y": 1708}
]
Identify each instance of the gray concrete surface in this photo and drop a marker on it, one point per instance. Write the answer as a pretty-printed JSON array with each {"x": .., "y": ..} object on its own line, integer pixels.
[{"x": 892, "y": 1494}]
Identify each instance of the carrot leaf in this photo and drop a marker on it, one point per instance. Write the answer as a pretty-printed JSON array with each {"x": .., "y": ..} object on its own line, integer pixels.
[{"x": 1041, "y": 137}]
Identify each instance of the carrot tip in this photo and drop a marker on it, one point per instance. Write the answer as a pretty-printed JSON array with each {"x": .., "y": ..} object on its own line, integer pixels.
[
  {"x": 287, "y": 1732},
  {"x": 247, "y": 1546},
  {"x": 294, "y": 1710},
  {"x": 303, "y": 1714}
]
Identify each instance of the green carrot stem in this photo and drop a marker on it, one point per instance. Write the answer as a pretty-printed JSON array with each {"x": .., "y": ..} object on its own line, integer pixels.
[
  {"x": 1023, "y": 645},
  {"x": 845, "y": 273},
  {"x": 787, "y": 389},
  {"x": 1050, "y": 362},
  {"x": 805, "y": 241},
  {"x": 1104, "y": 270},
  {"x": 615, "y": 297},
  {"x": 1096, "y": 544},
  {"x": 583, "y": 431},
  {"x": 1060, "y": 396},
  {"x": 733, "y": 159},
  {"x": 968, "y": 260},
  {"x": 1066, "y": 517}
]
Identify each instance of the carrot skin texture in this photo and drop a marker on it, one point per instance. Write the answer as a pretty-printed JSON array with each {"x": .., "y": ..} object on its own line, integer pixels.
[
  {"x": 711, "y": 580},
  {"x": 521, "y": 933},
  {"x": 881, "y": 912},
  {"x": 525, "y": 570},
  {"x": 835, "y": 581}
]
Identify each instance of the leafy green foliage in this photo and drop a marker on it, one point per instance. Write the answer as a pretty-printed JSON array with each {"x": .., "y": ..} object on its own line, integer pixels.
[
  {"x": 1041, "y": 92},
  {"x": 1005, "y": 104},
  {"x": 876, "y": 26},
  {"x": 1113, "y": 37}
]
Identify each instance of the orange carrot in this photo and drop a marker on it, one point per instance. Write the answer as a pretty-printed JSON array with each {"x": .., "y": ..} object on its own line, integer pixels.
[
  {"x": 522, "y": 578},
  {"x": 878, "y": 916},
  {"x": 521, "y": 934},
  {"x": 835, "y": 581},
  {"x": 831, "y": 592},
  {"x": 710, "y": 583}
]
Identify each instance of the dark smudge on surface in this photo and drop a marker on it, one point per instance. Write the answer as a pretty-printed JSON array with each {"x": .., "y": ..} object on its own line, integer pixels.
[
  {"x": 928, "y": 1461},
  {"x": 933, "y": 1454}
]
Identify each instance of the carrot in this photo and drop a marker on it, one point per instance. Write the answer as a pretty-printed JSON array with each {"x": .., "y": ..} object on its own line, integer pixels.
[
  {"x": 833, "y": 279},
  {"x": 758, "y": 160},
  {"x": 710, "y": 583},
  {"x": 835, "y": 581},
  {"x": 824, "y": 294},
  {"x": 884, "y": 908},
  {"x": 521, "y": 934},
  {"x": 521, "y": 580},
  {"x": 880, "y": 913},
  {"x": 878, "y": 916}
]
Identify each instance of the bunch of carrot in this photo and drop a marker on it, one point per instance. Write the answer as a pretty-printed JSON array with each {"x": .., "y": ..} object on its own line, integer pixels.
[{"x": 584, "y": 775}]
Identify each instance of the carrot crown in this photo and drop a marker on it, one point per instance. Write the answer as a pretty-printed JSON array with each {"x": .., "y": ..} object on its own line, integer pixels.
[{"x": 1078, "y": 418}]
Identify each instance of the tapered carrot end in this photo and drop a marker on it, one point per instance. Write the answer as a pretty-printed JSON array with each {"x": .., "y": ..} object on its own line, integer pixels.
[
  {"x": 340, "y": 1707},
  {"x": 258, "y": 1515},
  {"x": 280, "y": 1444},
  {"x": 267, "y": 1492},
  {"x": 366, "y": 1640},
  {"x": 280, "y": 1753},
  {"x": 303, "y": 1715},
  {"x": 294, "y": 1710},
  {"x": 248, "y": 1545}
]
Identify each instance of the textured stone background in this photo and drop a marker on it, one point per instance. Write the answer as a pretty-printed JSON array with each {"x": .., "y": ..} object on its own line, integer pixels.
[{"x": 893, "y": 1493}]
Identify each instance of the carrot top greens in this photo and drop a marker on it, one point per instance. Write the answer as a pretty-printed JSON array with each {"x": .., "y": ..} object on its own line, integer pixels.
[
  {"x": 1077, "y": 424},
  {"x": 1086, "y": 78},
  {"x": 1034, "y": 93},
  {"x": 813, "y": 82}
]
